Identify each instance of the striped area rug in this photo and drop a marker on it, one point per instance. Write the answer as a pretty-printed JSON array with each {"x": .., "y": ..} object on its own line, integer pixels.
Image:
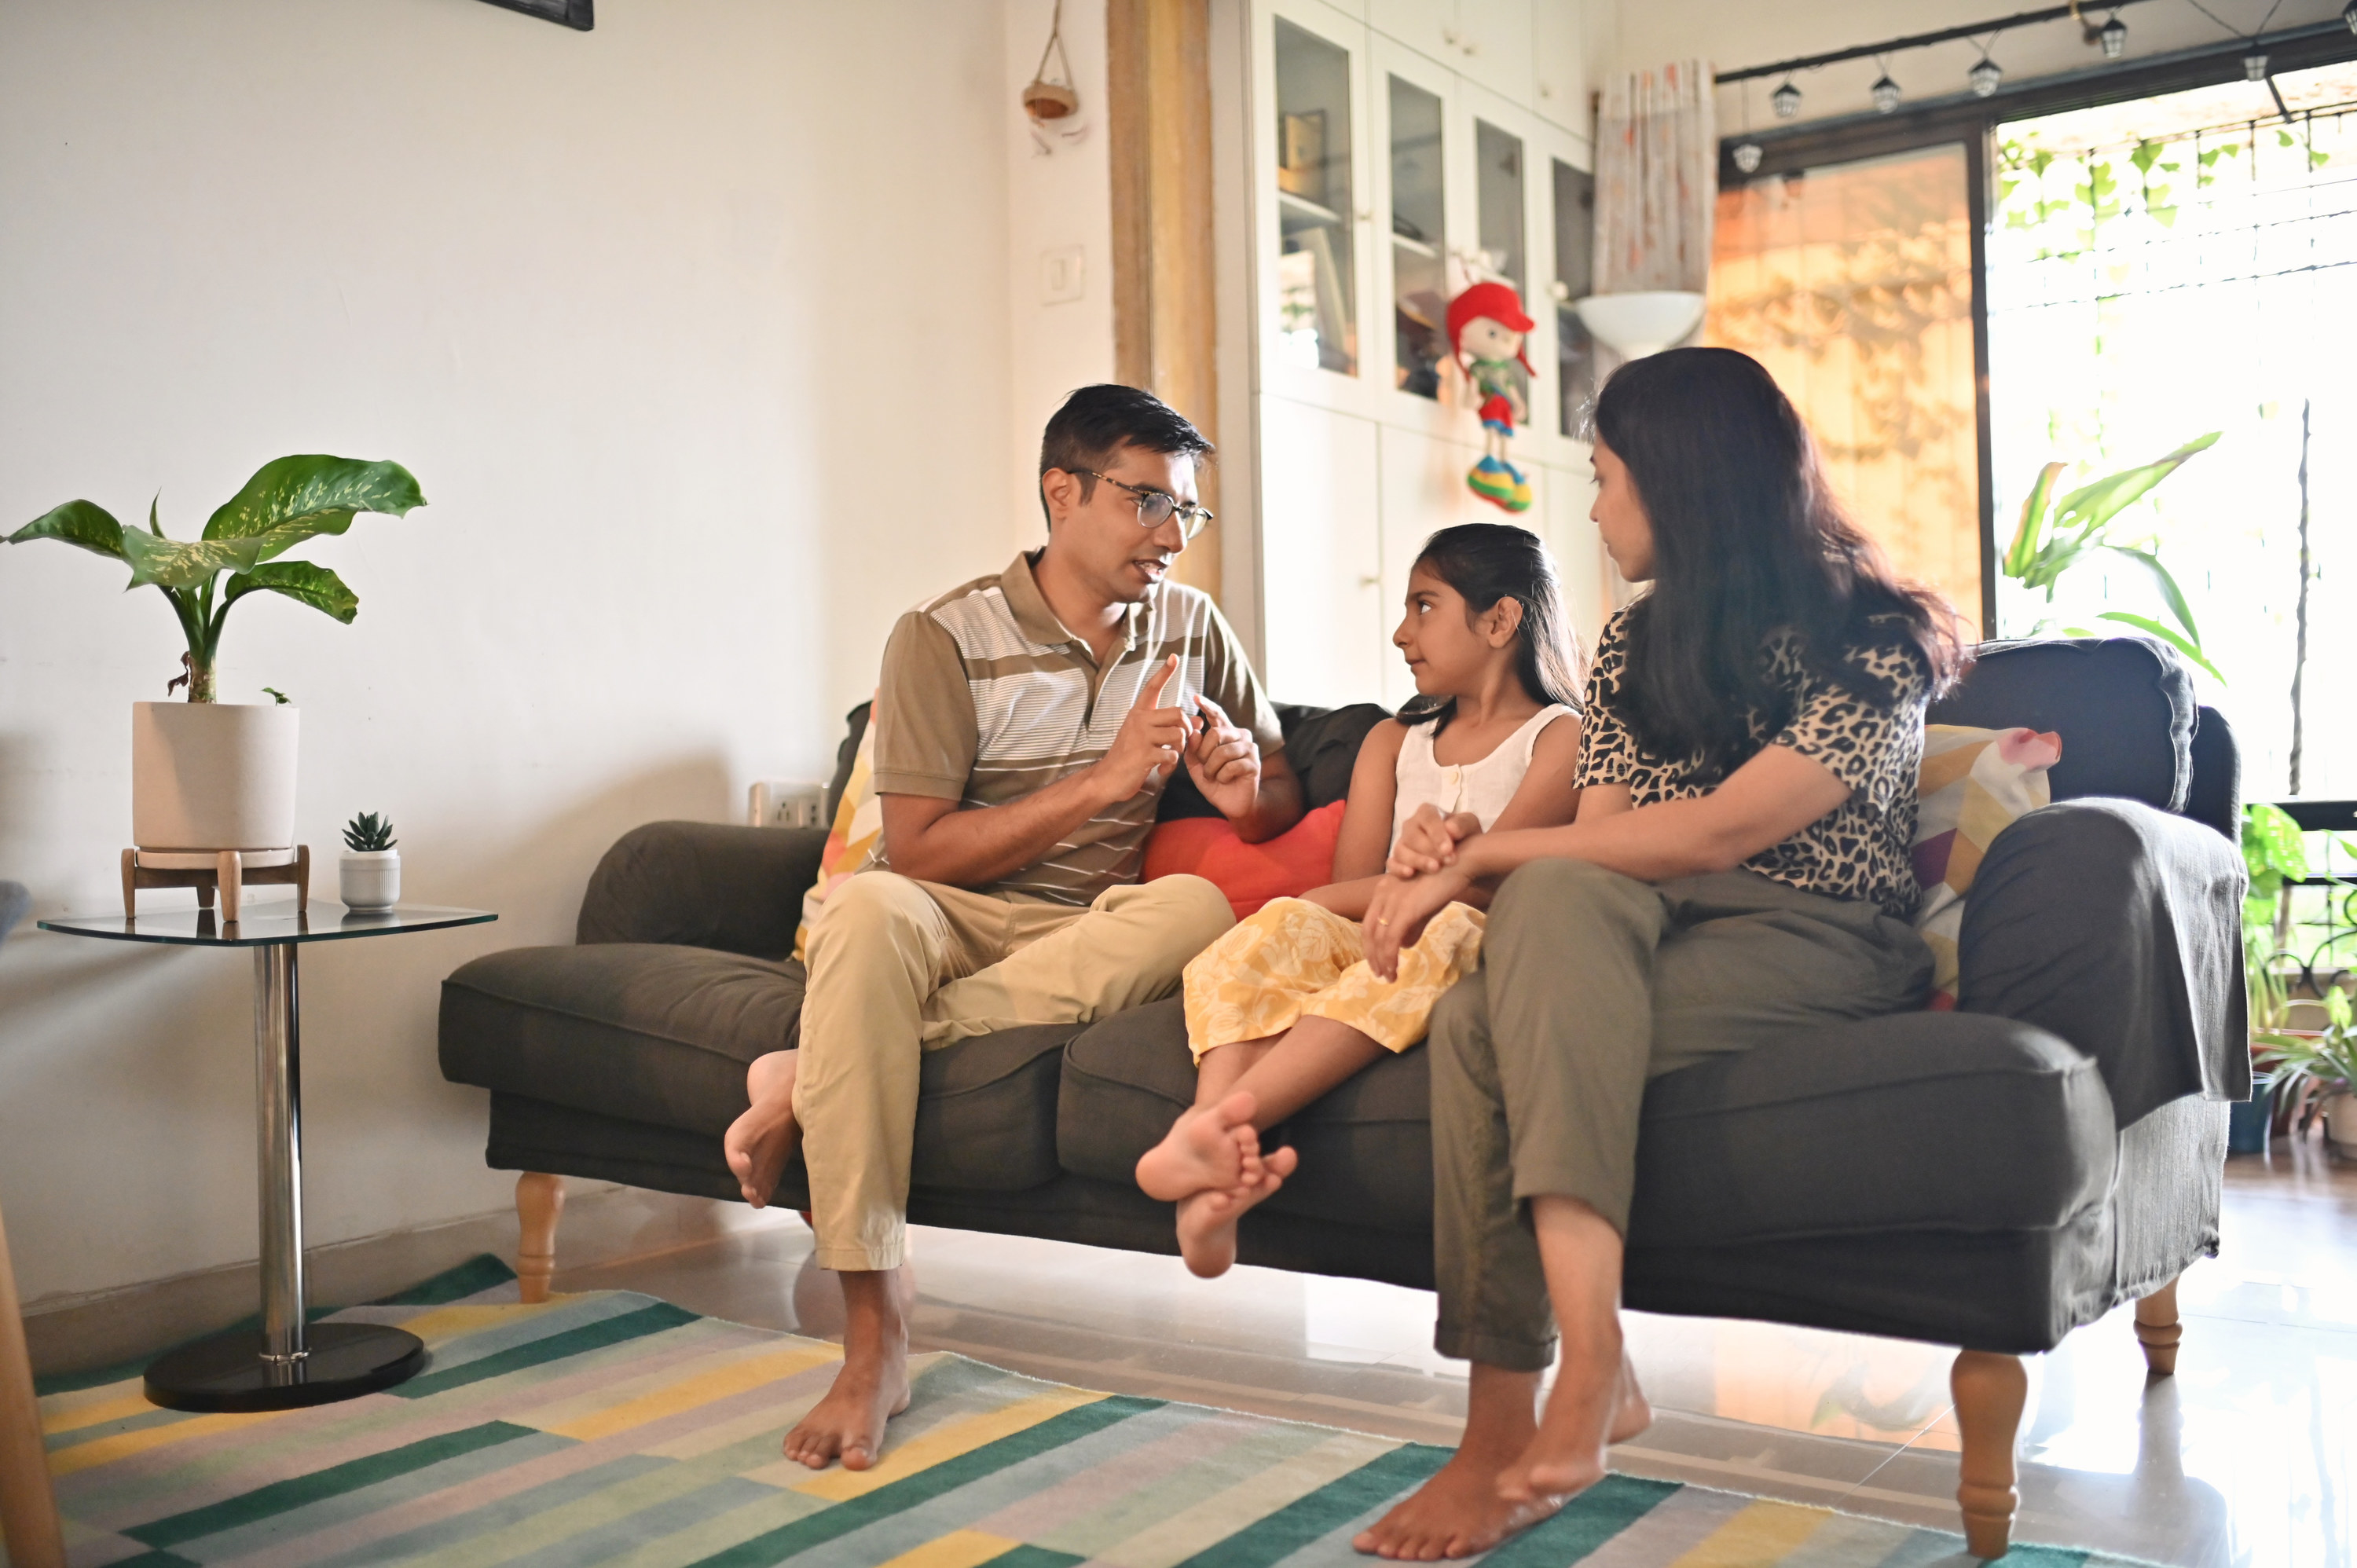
[{"x": 613, "y": 1428}]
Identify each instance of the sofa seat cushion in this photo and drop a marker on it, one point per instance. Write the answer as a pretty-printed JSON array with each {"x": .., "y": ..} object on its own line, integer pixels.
[
  {"x": 1366, "y": 1149},
  {"x": 643, "y": 1030},
  {"x": 1944, "y": 1121},
  {"x": 652, "y": 1033}
]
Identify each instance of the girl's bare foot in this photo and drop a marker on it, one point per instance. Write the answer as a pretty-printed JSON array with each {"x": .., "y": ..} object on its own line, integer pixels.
[
  {"x": 760, "y": 1141},
  {"x": 1201, "y": 1151},
  {"x": 1206, "y": 1221},
  {"x": 1583, "y": 1416}
]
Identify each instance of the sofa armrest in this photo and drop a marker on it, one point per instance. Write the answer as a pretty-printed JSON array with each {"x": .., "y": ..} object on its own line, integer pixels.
[
  {"x": 2118, "y": 927},
  {"x": 702, "y": 884}
]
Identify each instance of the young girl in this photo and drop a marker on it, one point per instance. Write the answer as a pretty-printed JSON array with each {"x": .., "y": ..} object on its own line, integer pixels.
[
  {"x": 1282, "y": 1008},
  {"x": 1739, "y": 871}
]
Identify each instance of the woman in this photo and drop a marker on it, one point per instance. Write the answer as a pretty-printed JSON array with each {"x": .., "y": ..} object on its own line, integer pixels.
[{"x": 1738, "y": 869}]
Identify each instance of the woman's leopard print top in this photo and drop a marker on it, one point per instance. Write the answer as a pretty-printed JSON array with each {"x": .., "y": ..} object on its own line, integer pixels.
[{"x": 1859, "y": 851}]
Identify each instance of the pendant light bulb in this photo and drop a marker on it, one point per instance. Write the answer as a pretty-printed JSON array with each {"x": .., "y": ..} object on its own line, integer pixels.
[
  {"x": 2349, "y": 16},
  {"x": 2254, "y": 67},
  {"x": 1886, "y": 94},
  {"x": 2113, "y": 35},
  {"x": 1786, "y": 100},
  {"x": 1985, "y": 78},
  {"x": 1748, "y": 154}
]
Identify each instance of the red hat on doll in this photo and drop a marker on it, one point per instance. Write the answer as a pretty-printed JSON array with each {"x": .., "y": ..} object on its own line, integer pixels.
[{"x": 1497, "y": 301}]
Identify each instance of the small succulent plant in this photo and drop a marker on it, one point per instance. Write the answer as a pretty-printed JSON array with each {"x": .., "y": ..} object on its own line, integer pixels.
[{"x": 365, "y": 833}]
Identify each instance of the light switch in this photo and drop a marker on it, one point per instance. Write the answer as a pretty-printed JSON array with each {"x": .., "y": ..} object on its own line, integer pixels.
[{"x": 1062, "y": 273}]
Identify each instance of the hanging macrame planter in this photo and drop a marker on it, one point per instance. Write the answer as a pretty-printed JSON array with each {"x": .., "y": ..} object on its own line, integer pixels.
[{"x": 1051, "y": 98}]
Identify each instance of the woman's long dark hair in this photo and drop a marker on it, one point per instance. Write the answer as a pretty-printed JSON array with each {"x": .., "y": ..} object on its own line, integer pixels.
[
  {"x": 1487, "y": 562},
  {"x": 1748, "y": 542}
]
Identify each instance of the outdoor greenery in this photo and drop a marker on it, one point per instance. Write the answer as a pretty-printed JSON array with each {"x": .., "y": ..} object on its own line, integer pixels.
[
  {"x": 2067, "y": 196},
  {"x": 2055, "y": 536},
  {"x": 285, "y": 502},
  {"x": 366, "y": 833}
]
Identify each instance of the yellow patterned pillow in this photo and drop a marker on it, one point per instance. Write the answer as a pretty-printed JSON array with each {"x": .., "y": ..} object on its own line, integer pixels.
[
  {"x": 859, "y": 828},
  {"x": 1973, "y": 785}
]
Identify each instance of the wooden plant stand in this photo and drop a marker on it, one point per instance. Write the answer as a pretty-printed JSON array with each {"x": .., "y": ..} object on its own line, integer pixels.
[{"x": 229, "y": 871}]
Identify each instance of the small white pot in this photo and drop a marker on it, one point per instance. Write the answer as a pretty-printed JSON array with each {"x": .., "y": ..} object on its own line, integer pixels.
[
  {"x": 2341, "y": 1122},
  {"x": 214, "y": 775},
  {"x": 370, "y": 878}
]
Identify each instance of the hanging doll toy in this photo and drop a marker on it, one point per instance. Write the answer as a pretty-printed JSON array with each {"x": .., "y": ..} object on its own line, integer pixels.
[{"x": 1486, "y": 328}]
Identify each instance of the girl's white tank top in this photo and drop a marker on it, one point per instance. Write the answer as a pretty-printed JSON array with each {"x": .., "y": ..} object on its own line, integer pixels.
[{"x": 1483, "y": 788}]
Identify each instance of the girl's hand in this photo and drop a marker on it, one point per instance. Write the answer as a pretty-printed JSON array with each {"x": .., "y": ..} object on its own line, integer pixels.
[
  {"x": 1396, "y": 916},
  {"x": 1428, "y": 841}
]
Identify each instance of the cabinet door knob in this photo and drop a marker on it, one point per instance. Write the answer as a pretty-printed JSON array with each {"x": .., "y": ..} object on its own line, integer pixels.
[
  {"x": 1449, "y": 35},
  {"x": 1367, "y": 582}
]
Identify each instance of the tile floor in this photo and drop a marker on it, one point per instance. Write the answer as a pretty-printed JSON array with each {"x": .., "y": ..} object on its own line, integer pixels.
[{"x": 2247, "y": 1458}]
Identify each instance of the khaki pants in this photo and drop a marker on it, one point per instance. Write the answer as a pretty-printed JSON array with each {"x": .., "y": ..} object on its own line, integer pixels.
[
  {"x": 1592, "y": 984},
  {"x": 899, "y": 967}
]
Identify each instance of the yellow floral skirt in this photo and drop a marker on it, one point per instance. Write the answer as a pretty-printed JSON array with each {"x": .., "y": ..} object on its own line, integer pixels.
[{"x": 1295, "y": 960}]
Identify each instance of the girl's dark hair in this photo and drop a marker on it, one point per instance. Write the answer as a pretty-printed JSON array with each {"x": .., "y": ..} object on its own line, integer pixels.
[
  {"x": 1487, "y": 562},
  {"x": 1748, "y": 542}
]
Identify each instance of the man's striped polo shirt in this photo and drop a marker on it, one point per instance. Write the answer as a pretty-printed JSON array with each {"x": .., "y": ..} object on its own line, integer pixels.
[{"x": 987, "y": 697}]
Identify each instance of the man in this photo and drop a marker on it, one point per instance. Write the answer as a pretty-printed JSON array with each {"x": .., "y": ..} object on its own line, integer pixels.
[{"x": 1025, "y": 723}]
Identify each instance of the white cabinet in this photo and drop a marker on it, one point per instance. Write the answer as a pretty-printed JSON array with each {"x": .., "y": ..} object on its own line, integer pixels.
[
  {"x": 1322, "y": 558},
  {"x": 1394, "y": 143}
]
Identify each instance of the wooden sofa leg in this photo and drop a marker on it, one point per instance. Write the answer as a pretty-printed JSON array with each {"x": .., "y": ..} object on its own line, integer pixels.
[
  {"x": 2157, "y": 1327},
  {"x": 539, "y": 1200},
  {"x": 1989, "y": 1392}
]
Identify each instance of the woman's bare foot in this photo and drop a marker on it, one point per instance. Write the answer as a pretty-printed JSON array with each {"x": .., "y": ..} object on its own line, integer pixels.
[
  {"x": 1583, "y": 1416},
  {"x": 1201, "y": 1151},
  {"x": 872, "y": 1387},
  {"x": 1459, "y": 1511},
  {"x": 760, "y": 1141},
  {"x": 1206, "y": 1221}
]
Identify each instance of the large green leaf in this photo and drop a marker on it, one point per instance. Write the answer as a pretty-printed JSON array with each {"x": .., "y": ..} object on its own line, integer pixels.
[
  {"x": 2092, "y": 505},
  {"x": 2024, "y": 549},
  {"x": 2169, "y": 634},
  {"x": 300, "y": 581},
  {"x": 174, "y": 564},
  {"x": 291, "y": 499},
  {"x": 2166, "y": 584},
  {"x": 82, "y": 523}
]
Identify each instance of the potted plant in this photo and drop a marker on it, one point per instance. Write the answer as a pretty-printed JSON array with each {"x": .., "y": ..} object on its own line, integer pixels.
[
  {"x": 206, "y": 775},
  {"x": 370, "y": 872},
  {"x": 2324, "y": 1063}
]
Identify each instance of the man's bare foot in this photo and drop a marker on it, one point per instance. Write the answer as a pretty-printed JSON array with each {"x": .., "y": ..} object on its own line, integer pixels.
[
  {"x": 1201, "y": 1151},
  {"x": 760, "y": 1141},
  {"x": 872, "y": 1387},
  {"x": 1206, "y": 1221},
  {"x": 1456, "y": 1514},
  {"x": 1583, "y": 1416}
]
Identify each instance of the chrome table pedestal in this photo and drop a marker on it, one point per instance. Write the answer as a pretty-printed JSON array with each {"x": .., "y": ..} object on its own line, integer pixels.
[{"x": 286, "y": 1362}]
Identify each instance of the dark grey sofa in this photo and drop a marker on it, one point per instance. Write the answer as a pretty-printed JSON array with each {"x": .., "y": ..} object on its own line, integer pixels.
[{"x": 1990, "y": 1177}]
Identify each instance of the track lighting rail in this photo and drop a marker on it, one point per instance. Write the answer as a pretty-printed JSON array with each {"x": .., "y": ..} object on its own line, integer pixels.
[{"x": 1921, "y": 40}]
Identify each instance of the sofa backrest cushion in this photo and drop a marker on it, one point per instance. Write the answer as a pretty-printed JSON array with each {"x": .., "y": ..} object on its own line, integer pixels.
[
  {"x": 1322, "y": 745},
  {"x": 2123, "y": 705}
]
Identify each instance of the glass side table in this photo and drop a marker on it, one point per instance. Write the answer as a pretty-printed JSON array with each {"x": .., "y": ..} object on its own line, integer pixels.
[{"x": 287, "y": 1363}]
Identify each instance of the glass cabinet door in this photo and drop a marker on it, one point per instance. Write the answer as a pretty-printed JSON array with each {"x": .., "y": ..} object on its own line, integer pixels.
[
  {"x": 1317, "y": 293},
  {"x": 1419, "y": 239},
  {"x": 1574, "y": 264},
  {"x": 1498, "y": 198}
]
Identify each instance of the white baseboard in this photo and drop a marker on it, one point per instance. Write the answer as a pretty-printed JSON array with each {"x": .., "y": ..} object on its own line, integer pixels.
[{"x": 602, "y": 1224}]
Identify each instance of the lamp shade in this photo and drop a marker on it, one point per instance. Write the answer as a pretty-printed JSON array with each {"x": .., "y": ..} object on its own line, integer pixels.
[{"x": 1635, "y": 325}]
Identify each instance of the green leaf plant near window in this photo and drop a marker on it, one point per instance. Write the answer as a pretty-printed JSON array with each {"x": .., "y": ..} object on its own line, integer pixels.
[
  {"x": 2056, "y": 537},
  {"x": 2322, "y": 1063},
  {"x": 286, "y": 501}
]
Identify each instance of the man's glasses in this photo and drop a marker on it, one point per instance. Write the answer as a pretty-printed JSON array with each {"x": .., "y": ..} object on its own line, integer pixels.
[{"x": 1155, "y": 509}]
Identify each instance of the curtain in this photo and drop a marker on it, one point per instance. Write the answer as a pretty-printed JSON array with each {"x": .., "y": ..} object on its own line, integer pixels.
[{"x": 1656, "y": 178}]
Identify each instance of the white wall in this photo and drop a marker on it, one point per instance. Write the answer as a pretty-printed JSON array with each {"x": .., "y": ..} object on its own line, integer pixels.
[
  {"x": 1639, "y": 34},
  {"x": 694, "y": 329},
  {"x": 1055, "y": 200}
]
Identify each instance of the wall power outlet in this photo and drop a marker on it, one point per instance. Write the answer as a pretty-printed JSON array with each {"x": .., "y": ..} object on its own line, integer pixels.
[{"x": 787, "y": 803}]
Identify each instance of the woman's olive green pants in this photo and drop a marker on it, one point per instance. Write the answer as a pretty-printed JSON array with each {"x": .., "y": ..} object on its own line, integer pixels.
[{"x": 1591, "y": 983}]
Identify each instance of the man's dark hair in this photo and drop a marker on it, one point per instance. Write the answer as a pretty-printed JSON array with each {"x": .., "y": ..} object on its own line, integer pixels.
[{"x": 1097, "y": 421}]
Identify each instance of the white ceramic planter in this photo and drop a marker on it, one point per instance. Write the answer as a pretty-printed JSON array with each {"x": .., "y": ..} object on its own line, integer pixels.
[
  {"x": 370, "y": 878},
  {"x": 2341, "y": 1122},
  {"x": 212, "y": 776}
]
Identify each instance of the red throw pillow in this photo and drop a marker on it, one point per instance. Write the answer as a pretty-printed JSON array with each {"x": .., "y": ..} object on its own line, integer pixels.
[{"x": 1285, "y": 866}]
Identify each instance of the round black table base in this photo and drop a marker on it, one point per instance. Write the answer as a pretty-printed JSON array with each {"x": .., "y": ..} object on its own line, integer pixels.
[{"x": 227, "y": 1371}]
